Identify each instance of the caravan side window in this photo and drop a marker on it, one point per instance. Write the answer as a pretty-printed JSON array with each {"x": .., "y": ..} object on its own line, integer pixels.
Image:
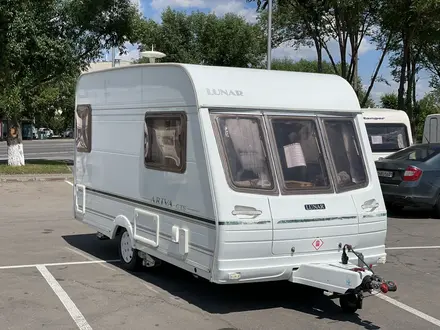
[
  {"x": 244, "y": 152},
  {"x": 83, "y": 128},
  {"x": 346, "y": 153},
  {"x": 165, "y": 142}
]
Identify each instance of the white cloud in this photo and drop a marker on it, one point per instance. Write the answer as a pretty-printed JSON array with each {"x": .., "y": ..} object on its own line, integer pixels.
[
  {"x": 309, "y": 53},
  {"x": 162, "y": 4},
  {"x": 138, "y": 4},
  {"x": 365, "y": 46},
  {"x": 132, "y": 53},
  {"x": 219, "y": 7},
  {"x": 381, "y": 88},
  {"x": 236, "y": 7}
]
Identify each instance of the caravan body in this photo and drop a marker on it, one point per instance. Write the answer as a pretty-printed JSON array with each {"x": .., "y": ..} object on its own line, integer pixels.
[
  {"x": 431, "y": 129},
  {"x": 388, "y": 131},
  {"x": 234, "y": 174}
]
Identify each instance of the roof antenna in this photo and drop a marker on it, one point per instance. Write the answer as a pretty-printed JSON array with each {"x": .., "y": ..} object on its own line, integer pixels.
[{"x": 152, "y": 54}]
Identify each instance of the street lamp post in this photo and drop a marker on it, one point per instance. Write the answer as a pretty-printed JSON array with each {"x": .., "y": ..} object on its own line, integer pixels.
[
  {"x": 269, "y": 35},
  {"x": 113, "y": 57}
]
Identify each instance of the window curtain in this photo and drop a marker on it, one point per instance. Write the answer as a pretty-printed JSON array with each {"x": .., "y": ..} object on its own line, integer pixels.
[
  {"x": 245, "y": 137},
  {"x": 352, "y": 154}
]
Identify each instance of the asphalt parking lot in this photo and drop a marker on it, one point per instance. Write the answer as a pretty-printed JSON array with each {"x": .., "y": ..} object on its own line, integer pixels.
[{"x": 53, "y": 276}]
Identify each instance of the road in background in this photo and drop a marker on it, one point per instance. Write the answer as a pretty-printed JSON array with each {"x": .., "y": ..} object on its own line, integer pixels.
[{"x": 55, "y": 149}]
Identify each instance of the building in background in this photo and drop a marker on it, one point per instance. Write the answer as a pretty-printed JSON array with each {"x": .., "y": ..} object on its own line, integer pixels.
[{"x": 102, "y": 65}]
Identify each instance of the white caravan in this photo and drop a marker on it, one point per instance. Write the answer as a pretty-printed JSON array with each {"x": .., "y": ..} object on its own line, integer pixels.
[
  {"x": 236, "y": 175},
  {"x": 388, "y": 131},
  {"x": 431, "y": 129}
]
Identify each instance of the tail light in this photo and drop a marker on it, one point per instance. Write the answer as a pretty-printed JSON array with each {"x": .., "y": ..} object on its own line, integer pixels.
[
  {"x": 384, "y": 287},
  {"x": 412, "y": 173}
]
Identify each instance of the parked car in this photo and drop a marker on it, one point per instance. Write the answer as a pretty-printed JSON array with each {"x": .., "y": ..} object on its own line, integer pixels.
[
  {"x": 411, "y": 177},
  {"x": 46, "y": 131},
  {"x": 68, "y": 133}
]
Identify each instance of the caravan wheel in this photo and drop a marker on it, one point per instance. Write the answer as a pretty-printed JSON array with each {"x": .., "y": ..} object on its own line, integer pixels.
[
  {"x": 349, "y": 303},
  {"x": 129, "y": 256}
]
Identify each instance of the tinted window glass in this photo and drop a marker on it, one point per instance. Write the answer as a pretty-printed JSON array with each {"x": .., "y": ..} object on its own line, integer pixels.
[
  {"x": 387, "y": 137},
  {"x": 246, "y": 154},
  {"x": 299, "y": 151},
  {"x": 346, "y": 153},
  {"x": 417, "y": 153},
  {"x": 165, "y": 142},
  {"x": 83, "y": 128}
]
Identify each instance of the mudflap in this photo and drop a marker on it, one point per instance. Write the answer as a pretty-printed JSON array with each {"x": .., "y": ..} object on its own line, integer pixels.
[{"x": 344, "y": 280}]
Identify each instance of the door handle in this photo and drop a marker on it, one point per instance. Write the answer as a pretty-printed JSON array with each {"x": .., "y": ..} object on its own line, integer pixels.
[
  {"x": 246, "y": 211},
  {"x": 371, "y": 204}
]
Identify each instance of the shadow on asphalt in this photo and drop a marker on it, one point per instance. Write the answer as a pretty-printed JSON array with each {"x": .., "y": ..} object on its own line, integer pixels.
[{"x": 224, "y": 299}]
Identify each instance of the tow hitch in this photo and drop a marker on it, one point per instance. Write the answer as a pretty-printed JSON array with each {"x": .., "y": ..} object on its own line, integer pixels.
[{"x": 351, "y": 300}]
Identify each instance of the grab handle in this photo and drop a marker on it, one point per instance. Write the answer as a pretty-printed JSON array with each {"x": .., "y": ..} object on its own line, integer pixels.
[{"x": 246, "y": 211}]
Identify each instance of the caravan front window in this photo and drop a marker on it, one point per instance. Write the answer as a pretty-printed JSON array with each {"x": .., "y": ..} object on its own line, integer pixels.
[
  {"x": 346, "y": 153},
  {"x": 387, "y": 137},
  {"x": 245, "y": 153},
  {"x": 299, "y": 153}
]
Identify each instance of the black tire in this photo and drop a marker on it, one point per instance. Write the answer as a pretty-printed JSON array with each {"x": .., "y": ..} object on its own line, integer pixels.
[
  {"x": 135, "y": 262},
  {"x": 393, "y": 208},
  {"x": 436, "y": 209},
  {"x": 349, "y": 303}
]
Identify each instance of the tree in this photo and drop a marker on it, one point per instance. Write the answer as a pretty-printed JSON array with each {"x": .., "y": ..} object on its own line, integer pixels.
[
  {"x": 201, "y": 38},
  {"x": 416, "y": 31},
  {"x": 45, "y": 41},
  {"x": 316, "y": 22},
  {"x": 389, "y": 101},
  {"x": 429, "y": 104},
  {"x": 303, "y": 65},
  {"x": 52, "y": 99}
]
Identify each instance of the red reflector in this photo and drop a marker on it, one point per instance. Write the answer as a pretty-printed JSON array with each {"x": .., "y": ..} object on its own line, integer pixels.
[
  {"x": 358, "y": 269},
  {"x": 412, "y": 173},
  {"x": 384, "y": 287}
]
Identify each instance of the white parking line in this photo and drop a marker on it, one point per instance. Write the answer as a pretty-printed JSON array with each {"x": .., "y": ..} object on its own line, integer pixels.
[
  {"x": 61, "y": 264},
  {"x": 68, "y": 182},
  {"x": 82, "y": 254},
  {"x": 409, "y": 309},
  {"x": 413, "y": 247},
  {"x": 88, "y": 257},
  {"x": 149, "y": 287},
  {"x": 65, "y": 299}
]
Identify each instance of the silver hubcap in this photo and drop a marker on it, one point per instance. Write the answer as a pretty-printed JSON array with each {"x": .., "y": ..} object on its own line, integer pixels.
[{"x": 126, "y": 249}]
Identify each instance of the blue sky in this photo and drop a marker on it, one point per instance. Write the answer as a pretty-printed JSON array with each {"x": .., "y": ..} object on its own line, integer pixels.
[{"x": 368, "y": 55}]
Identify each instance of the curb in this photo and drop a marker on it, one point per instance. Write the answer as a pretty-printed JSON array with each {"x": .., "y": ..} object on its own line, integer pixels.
[{"x": 34, "y": 178}]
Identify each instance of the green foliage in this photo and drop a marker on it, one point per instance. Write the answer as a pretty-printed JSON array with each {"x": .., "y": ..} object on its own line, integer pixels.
[
  {"x": 48, "y": 42},
  {"x": 287, "y": 64},
  {"x": 201, "y": 38},
  {"x": 36, "y": 167},
  {"x": 416, "y": 30},
  {"x": 429, "y": 104},
  {"x": 389, "y": 101},
  {"x": 314, "y": 23},
  {"x": 303, "y": 65}
]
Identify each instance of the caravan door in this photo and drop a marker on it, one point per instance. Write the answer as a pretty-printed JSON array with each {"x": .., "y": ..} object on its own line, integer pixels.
[{"x": 319, "y": 165}]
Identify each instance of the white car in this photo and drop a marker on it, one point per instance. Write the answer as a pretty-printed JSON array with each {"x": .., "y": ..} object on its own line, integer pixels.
[{"x": 46, "y": 131}]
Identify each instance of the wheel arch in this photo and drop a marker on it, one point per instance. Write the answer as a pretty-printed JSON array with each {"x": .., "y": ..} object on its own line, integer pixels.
[{"x": 121, "y": 222}]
